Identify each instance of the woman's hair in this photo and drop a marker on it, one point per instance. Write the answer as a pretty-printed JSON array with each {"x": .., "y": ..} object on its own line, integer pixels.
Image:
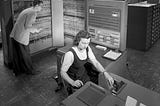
[
  {"x": 37, "y": 2},
  {"x": 81, "y": 34}
]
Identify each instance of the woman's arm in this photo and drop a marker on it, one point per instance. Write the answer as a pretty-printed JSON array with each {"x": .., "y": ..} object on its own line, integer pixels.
[
  {"x": 29, "y": 21},
  {"x": 94, "y": 61},
  {"x": 98, "y": 65},
  {"x": 67, "y": 62}
]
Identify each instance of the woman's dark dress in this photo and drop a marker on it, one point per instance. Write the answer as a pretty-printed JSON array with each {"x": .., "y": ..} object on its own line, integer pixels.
[
  {"x": 21, "y": 59},
  {"x": 77, "y": 70}
]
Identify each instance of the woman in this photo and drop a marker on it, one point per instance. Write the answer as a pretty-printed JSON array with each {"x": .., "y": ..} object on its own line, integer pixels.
[
  {"x": 21, "y": 60},
  {"x": 73, "y": 67}
]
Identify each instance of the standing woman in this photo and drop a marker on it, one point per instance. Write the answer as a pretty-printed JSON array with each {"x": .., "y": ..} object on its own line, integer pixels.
[{"x": 21, "y": 59}]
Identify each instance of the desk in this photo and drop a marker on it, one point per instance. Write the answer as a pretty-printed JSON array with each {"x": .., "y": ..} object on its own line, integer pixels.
[
  {"x": 117, "y": 67},
  {"x": 108, "y": 100},
  {"x": 143, "y": 95}
]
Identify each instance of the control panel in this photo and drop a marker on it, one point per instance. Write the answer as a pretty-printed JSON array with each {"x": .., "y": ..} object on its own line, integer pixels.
[
  {"x": 105, "y": 37},
  {"x": 107, "y": 22}
]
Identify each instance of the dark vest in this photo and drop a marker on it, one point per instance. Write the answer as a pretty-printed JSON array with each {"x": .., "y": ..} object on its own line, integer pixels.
[{"x": 77, "y": 69}]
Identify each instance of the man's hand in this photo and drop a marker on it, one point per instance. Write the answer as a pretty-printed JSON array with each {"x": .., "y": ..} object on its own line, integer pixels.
[{"x": 77, "y": 83}]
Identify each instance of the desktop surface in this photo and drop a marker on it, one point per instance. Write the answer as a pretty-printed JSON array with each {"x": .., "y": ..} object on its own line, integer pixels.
[
  {"x": 92, "y": 95},
  {"x": 141, "y": 94}
]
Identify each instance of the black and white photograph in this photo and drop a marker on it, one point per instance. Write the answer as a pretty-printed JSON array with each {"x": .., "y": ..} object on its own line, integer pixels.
[{"x": 79, "y": 53}]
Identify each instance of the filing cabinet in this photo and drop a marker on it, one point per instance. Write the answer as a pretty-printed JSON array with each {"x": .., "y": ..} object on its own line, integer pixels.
[{"x": 143, "y": 26}]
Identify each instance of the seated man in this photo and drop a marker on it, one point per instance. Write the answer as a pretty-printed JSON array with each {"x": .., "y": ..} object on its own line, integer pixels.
[{"x": 73, "y": 67}]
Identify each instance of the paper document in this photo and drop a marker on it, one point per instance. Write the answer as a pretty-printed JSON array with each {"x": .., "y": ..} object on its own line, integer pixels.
[
  {"x": 130, "y": 101},
  {"x": 112, "y": 55},
  {"x": 141, "y": 104}
]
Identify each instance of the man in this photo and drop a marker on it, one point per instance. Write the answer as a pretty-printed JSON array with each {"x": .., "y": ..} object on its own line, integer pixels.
[
  {"x": 73, "y": 67},
  {"x": 22, "y": 62}
]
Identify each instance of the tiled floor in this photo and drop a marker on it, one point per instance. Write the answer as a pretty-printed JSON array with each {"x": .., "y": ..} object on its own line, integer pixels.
[
  {"x": 145, "y": 67},
  {"x": 38, "y": 90}
]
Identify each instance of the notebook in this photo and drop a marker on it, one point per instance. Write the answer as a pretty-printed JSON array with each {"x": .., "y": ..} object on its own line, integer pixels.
[
  {"x": 91, "y": 96},
  {"x": 112, "y": 55}
]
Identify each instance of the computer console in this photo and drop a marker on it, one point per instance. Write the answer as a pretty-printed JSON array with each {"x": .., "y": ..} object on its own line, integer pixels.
[{"x": 107, "y": 22}]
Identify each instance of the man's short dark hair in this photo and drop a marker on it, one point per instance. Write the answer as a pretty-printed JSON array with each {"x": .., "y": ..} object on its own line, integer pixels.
[
  {"x": 81, "y": 34},
  {"x": 37, "y": 2}
]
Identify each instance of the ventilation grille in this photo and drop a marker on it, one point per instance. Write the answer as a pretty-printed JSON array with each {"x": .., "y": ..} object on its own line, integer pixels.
[{"x": 103, "y": 17}]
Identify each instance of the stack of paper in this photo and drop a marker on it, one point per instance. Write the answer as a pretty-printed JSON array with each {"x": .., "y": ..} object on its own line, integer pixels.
[{"x": 112, "y": 55}]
